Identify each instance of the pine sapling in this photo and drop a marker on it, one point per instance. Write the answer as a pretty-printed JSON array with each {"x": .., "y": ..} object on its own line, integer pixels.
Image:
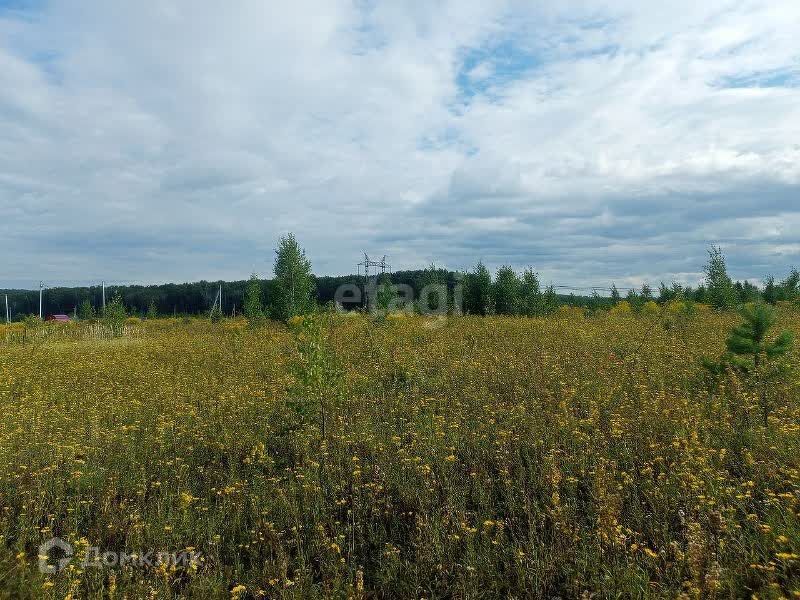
[{"x": 750, "y": 352}]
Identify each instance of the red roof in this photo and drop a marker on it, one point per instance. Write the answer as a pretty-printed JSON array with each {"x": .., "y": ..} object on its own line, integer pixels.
[{"x": 60, "y": 318}]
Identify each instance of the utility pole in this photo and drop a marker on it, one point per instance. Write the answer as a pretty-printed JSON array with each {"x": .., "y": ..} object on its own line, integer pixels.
[
  {"x": 41, "y": 287},
  {"x": 104, "y": 296},
  {"x": 8, "y": 315},
  {"x": 217, "y": 298}
]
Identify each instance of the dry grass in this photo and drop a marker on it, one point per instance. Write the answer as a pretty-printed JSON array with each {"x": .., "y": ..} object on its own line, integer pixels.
[{"x": 462, "y": 458}]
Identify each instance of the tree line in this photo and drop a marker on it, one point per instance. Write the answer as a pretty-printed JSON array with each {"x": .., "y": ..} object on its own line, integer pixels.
[{"x": 295, "y": 290}]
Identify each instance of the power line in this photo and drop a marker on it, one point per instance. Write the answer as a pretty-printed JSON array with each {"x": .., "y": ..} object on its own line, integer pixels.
[{"x": 594, "y": 288}]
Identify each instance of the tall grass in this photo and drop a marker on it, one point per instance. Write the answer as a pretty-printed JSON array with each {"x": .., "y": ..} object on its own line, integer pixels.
[{"x": 469, "y": 457}]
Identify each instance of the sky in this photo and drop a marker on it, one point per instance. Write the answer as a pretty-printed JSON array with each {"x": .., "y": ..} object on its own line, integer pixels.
[{"x": 592, "y": 141}]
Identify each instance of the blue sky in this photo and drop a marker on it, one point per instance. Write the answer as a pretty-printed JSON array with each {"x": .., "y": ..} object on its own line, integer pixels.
[{"x": 594, "y": 141}]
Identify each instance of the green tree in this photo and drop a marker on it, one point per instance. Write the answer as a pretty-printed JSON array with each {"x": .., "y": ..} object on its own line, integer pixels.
[
  {"x": 434, "y": 298},
  {"x": 634, "y": 299},
  {"x": 253, "y": 308},
  {"x": 720, "y": 292},
  {"x": 551, "y": 301},
  {"x": 770, "y": 293},
  {"x": 664, "y": 293},
  {"x": 747, "y": 343},
  {"x": 531, "y": 297},
  {"x": 114, "y": 315},
  {"x": 615, "y": 295},
  {"x": 506, "y": 291},
  {"x": 596, "y": 301},
  {"x": 317, "y": 382},
  {"x": 746, "y": 292},
  {"x": 386, "y": 294},
  {"x": 478, "y": 291},
  {"x": 294, "y": 285},
  {"x": 152, "y": 310},
  {"x": 750, "y": 352},
  {"x": 699, "y": 295},
  {"x": 86, "y": 311},
  {"x": 646, "y": 293},
  {"x": 790, "y": 287}
]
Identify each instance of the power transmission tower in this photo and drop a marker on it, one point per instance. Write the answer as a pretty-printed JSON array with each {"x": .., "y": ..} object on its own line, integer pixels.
[{"x": 377, "y": 264}]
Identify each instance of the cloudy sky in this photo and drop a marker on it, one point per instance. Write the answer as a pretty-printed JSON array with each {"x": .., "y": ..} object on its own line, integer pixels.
[{"x": 594, "y": 141}]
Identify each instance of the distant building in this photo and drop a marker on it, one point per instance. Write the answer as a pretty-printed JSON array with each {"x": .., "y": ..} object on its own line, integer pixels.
[{"x": 58, "y": 318}]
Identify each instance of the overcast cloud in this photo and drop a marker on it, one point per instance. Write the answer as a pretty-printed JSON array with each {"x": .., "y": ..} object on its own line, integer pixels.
[{"x": 594, "y": 141}]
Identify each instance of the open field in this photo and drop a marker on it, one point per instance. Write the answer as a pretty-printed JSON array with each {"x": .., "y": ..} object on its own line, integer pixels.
[{"x": 467, "y": 457}]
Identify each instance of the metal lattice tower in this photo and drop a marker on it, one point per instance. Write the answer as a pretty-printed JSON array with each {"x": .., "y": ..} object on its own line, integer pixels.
[{"x": 378, "y": 265}]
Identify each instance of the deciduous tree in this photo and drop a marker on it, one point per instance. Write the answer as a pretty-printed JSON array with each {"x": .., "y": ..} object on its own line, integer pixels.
[
  {"x": 294, "y": 286},
  {"x": 253, "y": 307},
  {"x": 719, "y": 287},
  {"x": 506, "y": 291},
  {"x": 478, "y": 293}
]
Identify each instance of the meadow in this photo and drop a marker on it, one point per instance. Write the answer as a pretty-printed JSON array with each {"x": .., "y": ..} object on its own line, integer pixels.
[{"x": 571, "y": 456}]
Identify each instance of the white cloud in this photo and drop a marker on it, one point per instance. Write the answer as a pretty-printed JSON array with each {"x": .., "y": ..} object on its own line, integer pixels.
[{"x": 593, "y": 140}]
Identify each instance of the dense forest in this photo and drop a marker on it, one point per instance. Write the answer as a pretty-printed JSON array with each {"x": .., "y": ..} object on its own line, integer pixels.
[
  {"x": 189, "y": 298},
  {"x": 508, "y": 292}
]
